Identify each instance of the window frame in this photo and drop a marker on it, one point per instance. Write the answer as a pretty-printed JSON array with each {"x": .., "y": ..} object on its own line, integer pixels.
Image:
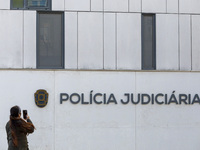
[
  {"x": 63, "y": 39},
  {"x": 48, "y": 7},
  {"x": 153, "y": 44}
]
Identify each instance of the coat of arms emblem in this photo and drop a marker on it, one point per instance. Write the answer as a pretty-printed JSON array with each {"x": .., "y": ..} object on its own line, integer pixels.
[{"x": 41, "y": 98}]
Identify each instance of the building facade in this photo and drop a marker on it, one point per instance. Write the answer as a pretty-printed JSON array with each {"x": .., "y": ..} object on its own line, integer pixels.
[{"x": 120, "y": 74}]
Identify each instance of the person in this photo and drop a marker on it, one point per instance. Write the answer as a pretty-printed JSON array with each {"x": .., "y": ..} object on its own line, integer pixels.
[{"x": 17, "y": 130}]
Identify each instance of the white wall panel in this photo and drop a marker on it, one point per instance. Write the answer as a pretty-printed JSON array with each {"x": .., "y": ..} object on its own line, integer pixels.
[
  {"x": 189, "y": 6},
  {"x": 128, "y": 41},
  {"x": 105, "y": 126},
  {"x": 116, "y": 5},
  {"x": 71, "y": 40},
  {"x": 154, "y": 6},
  {"x": 156, "y": 124},
  {"x": 18, "y": 89},
  {"x": 90, "y": 40},
  {"x": 109, "y": 41},
  {"x": 167, "y": 42},
  {"x": 58, "y": 5},
  {"x": 195, "y": 42},
  {"x": 97, "y": 5},
  {"x": 4, "y": 4},
  {"x": 29, "y": 39},
  {"x": 82, "y": 138},
  {"x": 81, "y": 5},
  {"x": 166, "y": 138},
  {"x": 185, "y": 42},
  {"x": 93, "y": 126},
  {"x": 11, "y": 39},
  {"x": 135, "y": 5},
  {"x": 172, "y": 6}
]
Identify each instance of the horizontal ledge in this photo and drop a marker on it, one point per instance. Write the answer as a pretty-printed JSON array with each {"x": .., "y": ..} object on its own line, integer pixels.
[{"x": 96, "y": 70}]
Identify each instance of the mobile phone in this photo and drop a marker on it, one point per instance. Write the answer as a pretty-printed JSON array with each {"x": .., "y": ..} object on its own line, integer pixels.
[{"x": 25, "y": 114}]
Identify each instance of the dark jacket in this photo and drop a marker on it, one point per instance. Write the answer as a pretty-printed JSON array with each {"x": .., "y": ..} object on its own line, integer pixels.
[{"x": 21, "y": 137}]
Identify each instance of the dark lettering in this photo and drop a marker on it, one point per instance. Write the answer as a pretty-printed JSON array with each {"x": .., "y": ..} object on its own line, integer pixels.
[
  {"x": 75, "y": 95},
  {"x": 82, "y": 100},
  {"x": 196, "y": 99},
  {"x": 152, "y": 99},
  {"x": 63, "y": 97},
  {"x": 182, "y": 98},
  {"x": 189, "y": 98},
  {"x": 143, "y": 99},
  {"x": 173, "y": 98},
  {"x": 91, "y": 97},
  {"x": 166, "y": 99},
  {"x": 98, "y": 94},
  {"x": 156, "y": 98},
  {"x": 128, "y": 99},
  {"x": 112, "y": 99},
  {"x": 132, "y": 99}
]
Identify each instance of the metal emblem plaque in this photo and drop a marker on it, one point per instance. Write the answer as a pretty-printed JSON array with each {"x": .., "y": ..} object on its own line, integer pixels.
[{"x": 41, "y": 98}]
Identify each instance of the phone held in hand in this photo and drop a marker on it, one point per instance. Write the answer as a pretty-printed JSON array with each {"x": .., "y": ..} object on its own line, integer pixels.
[{"x": 25, "y": 114}]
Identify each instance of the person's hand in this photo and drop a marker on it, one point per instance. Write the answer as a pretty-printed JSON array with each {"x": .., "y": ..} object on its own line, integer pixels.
[{"x": 27, "y": 117}]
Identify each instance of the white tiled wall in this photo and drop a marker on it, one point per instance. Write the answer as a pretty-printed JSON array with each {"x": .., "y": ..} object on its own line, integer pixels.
[
  {"x": 29, "y": 39},
  {"x": 172, "y": 6},
  {"x": 185, "y": 42},
  {"x": 4, "y": 4},
  {"x": 161, "y": 122},
  {"x": 68, "y": 126},
  {"x": 77, "y": 5},
  {"x": 58, "y": 5},
  {"x": 195, "y": 42},
  {"x": 110, "y": 41},
  {"x": 11, "y": 39},
  {"x": 129, "y": 41},
  {"x": 167, "y": 53},
  {"x": 97, "y": 5},
  {"x": 90, "y": 40},
  {"x": 116, "y": 5},
  {"x": 154, "y": 6},
  {"x": 18, "y": 89},
  {"x": 71, "y": 41},
  {"x": 92, "y": 127},
  {"x": 135, "y": 5},
  {"x": 103, "y": 31},
  {"x": 189, "y": 6}
]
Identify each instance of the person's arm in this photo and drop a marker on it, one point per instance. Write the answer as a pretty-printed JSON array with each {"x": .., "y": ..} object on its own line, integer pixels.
[
  {"x": 28, "y": 126},
  {"x": 31, "y": 129},
  {"x": 29, "y": 120},
  {"x": 7, "y": 131}
]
